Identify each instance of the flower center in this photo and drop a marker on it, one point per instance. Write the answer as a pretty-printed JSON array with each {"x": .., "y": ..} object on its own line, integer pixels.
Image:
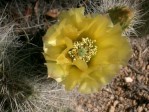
[{"x": 83, "y": 49}]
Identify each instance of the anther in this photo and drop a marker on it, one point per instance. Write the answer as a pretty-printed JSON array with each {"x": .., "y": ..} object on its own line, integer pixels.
[{"x": 83, "y": 49}]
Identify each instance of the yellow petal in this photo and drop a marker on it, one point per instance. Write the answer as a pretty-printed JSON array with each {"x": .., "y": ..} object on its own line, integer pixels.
[
  {"x": 111, "y": 69},
  {"x": 73, "y": 14},
  {"x": 112, "y": 49},
  {"x": 88, "y": 85},
  {"x": 70, "y": 31},
  {"x": 94, "y": 28},
  {"x": 49, "y": 32},
  {"x": 72, "y": 79},
  {"x": 63, "y": 58},
  {"x": 68, "y": 42},
  {"x": 105, "y": 73},
  {"x": 103, "y": 27},
  {"x": 52, "y": 52},
  {"x": 82, "y": 65},
  {"x": 112, "y": 37},
  {"x": 105, "y": 56},
  {"x": 55, "y": 37},
  {"x": 55, "y": 70}
]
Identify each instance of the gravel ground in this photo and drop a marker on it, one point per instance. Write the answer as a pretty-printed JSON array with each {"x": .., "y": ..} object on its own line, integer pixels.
[{"x": 129, "y": 91}]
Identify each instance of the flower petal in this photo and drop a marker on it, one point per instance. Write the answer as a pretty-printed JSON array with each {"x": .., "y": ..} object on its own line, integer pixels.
[
  {"x": 54, "y": 70},
  {"x": 63, "y": 58},
  {"x": 92, "y": 26},
  {"x": 105, "y": 56},
  {"x": 53, "y": 36},
  {"x": 114, "y": 48},
  {"x": 70, "y": 31},
  {"x": 88, "y": 85},
  {"x": 105, "y": 73},
  {"x": 52, "y": 52},
  {"x": 73, "y": 16},
  {"x": 72, "y": 79},
  {"x": 82, "y": 65}
]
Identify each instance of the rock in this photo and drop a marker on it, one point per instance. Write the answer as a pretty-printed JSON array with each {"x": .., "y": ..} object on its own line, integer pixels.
[
  {"x": 95, "y": 110},
  {"x": 128, "y": 79},
  {"x": 112, "y": 109},
  {"x": 89, "y": 105},
  {"x": 115, "y": 103},
  {"x": 139, "y": 109}
]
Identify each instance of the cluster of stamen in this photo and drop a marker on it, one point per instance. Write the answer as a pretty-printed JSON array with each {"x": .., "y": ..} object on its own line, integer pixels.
[{"x": 83, "y": 49}]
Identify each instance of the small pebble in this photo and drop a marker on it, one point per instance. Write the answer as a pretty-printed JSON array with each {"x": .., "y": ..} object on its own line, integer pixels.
[
  {"x": 147, "y": 67},
  {"x": 112, "y": 97},
  {"x": 140, "y": 109},
  {"x": 112, "y": 109},
  {"x": 128, "y": 79},
  {"x": 115, "y": 103},
  {"x": 95, "y": 110},
  {"x": 121, "y": 99},
  {"x": 89, "y": 105}
]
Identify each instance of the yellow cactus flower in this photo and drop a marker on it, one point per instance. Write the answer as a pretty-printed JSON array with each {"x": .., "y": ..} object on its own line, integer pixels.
[{"x": 84, "y": 51}]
